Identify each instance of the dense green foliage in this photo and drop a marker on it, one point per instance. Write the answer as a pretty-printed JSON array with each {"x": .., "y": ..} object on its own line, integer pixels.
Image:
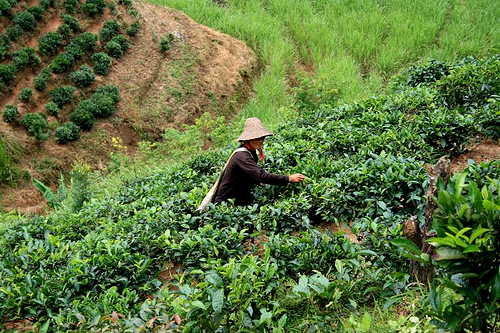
[
  {"x": 269, "y": 265},
  {"x": 467, "y": 243},
  {"x": 25, "y": 57},
  {"x": 109, "y": 29}
]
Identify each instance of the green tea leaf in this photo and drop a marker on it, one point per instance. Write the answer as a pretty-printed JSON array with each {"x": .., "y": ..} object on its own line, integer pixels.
[
  {"x": 406, "y": 244},
  {"x": 218, "y": 300}
]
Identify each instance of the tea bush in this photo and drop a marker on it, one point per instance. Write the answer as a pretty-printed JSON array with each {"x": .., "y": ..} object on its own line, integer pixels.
[
  {"x": 7, "y": 74},
  {"x": 25, "y": 20},
  {"x": 67, "y": 132},
  {"x": 62, "y": 63},
  {"x": 36, "y": 11},
  {"x": 75, "y": 50},
  {"x": 40, "y": 82},
  {"x": 133, "y": 29},
  {"x": 110, "y": 28},
  {"x": 166, "y": 43},
  {"x": 101, "y": 62},
  {"x": 50, "y": 43},
  {"x": 93, "y": 7},
  {"x": 5, "y": 8},
  {"x": 10, "y": 113},
  {"x": 26, "y": 94},
  {"x": 271, "y": 264},
  {"x": 83, "y": 77},
  {"x": 70, "y": 5},
  {"x": 25, "y": 57},
  {"x": 35, "y": 124},
  {"x": 114, "y": 49},
  {"x": 82, "y": 117},
  {"x": 87, "y": 41},
  {"x": 65, "y": 31},
  {"x": 71, "y": 22},
  {"x": 14, "y": 32},
  {"x": 4, "y": 46},
  {"x": 62, "y": 95},
  {"x": 52, "y": 109},
  {"x": 105, "y": 99}
]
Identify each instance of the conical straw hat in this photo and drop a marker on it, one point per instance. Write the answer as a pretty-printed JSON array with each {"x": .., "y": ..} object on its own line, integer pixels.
[{"x": 253, "y": 130}]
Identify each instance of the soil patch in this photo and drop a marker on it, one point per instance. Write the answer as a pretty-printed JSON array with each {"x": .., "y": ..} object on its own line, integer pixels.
[{"x": 485, "y": 151}]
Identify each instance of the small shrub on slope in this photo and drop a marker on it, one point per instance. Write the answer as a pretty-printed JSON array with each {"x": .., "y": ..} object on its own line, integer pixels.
[
  {"x": 42, "y": 79},
  {"x": 83, "y": 77},
  {"x": 82, "y": 116},
  {"x": 67, "y": 133},
  {"x": 50, "y": 43},
  {"x": 62, "y": 95},
  {"x": 52, "y": 109},
  {"x": 101, "y": 62},
  {"x": 10, "y": 113},
  {"x": 35, "y": 124},
  {"x": 62, "y": 63},
  {"x": 26, "y": 94},
  {"x": 7, "y": 73}
]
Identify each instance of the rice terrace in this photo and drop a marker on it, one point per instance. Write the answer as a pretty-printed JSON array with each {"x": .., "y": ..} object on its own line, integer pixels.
[{"x": 117, "y": 118}]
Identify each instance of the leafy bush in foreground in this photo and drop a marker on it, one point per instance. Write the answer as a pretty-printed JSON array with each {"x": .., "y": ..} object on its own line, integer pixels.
[{"x": 467, "y": 221}]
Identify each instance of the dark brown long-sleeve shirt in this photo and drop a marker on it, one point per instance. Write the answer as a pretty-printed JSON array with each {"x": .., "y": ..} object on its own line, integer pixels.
[{"x": 241, "y": 175}]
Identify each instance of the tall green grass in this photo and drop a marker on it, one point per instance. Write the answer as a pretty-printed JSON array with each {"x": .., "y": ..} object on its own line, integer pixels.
[{"x": 356, "y": 45}]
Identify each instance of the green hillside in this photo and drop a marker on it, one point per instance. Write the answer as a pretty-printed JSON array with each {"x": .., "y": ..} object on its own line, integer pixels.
[{"x": 367, "y": 112}]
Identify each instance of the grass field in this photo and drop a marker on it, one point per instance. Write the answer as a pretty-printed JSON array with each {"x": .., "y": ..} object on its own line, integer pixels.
[{"x": 354, "y": 46}]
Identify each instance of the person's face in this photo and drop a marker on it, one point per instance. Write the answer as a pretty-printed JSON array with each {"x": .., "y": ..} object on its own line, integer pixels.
[{"x": 256, "y": 143}]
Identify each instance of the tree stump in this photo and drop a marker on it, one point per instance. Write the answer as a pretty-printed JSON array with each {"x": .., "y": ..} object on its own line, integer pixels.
[{"x": 411, "y": 228}]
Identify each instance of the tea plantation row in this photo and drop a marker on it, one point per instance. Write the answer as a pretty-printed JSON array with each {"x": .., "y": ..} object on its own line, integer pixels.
[{"x": 266, "y": 266}]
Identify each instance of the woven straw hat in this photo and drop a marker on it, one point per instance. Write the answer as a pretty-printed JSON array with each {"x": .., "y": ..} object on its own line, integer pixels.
[{"x": 253, "y": 130}]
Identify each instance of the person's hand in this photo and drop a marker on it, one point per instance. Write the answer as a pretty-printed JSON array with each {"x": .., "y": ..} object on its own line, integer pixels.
[{"x": 296, "y": 178}]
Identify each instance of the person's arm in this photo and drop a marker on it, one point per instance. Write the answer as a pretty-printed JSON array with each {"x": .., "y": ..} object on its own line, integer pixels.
[{"x": 250, "y": 167}]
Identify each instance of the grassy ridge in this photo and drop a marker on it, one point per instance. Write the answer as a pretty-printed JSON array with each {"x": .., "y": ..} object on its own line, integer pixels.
[{"x": 356, "y": 46}]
